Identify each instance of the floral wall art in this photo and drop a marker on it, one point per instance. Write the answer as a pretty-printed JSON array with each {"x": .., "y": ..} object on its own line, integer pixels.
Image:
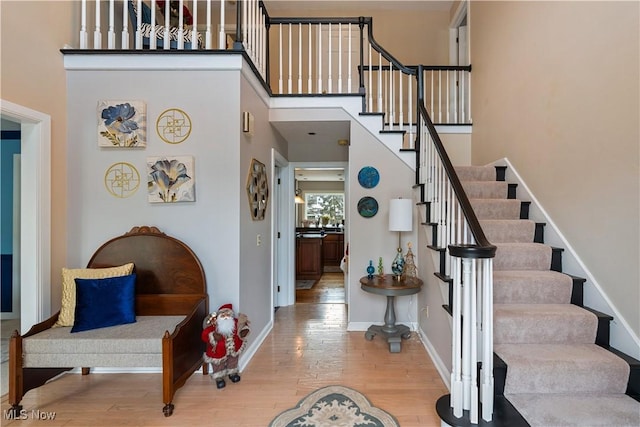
[
  {"x": 171, "y": 179},
  {"x": 122, "y": 124}
]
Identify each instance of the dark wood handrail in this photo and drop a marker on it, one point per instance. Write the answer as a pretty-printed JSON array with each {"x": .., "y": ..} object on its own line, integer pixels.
[{"x": 483, "y": 248}]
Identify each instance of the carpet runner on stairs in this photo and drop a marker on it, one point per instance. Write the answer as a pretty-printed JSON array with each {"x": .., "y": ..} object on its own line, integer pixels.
[{"x": 556, "y": 374}]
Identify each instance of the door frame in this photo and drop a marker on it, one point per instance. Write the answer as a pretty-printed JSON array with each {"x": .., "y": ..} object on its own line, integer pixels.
[
  {"x": 35, "y": 215},
  {"x": 280, "y": 220}
]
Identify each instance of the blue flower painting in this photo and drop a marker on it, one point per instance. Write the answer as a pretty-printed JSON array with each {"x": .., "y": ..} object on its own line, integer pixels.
[
  {"x": 122, "y": 124},
  {"x": 170, "y": 179}
]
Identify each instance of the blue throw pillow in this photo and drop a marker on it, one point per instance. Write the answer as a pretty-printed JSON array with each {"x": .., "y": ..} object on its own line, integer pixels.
[{"x": 104, "y": 302}]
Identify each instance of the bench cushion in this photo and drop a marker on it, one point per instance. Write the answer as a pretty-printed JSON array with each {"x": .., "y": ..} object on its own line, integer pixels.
[{"x": 132, "y": 345}]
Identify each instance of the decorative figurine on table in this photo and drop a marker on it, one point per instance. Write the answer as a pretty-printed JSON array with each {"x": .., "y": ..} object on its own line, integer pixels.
[
  {"x": 225, "y": 335},
  {"x": 409, "y": 264},
  {"x": 397, "y": 266},
  {"x": 370, "y": 270},
  {"x": 380, "y": 267}
]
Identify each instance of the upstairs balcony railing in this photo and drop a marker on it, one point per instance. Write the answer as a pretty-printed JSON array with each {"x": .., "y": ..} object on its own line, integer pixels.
[{"x": 340, "y": 56}]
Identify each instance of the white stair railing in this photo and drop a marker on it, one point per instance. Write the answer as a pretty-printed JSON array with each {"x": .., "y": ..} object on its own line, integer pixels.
[{"x": 469, "y": 265}]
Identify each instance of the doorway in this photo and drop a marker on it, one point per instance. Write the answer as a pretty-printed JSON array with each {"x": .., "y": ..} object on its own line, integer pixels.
[
  {"x": 320, "y": 221},
  {"x": 35, "y": 208}
]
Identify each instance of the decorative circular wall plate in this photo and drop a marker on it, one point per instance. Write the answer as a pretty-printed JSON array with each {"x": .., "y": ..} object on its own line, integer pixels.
[
  {"x": 367, "y": 207},
  {"x": 368, "y": 177},
  {"x": 122, "y": 180},
  {"x": 173, "y": 126}
]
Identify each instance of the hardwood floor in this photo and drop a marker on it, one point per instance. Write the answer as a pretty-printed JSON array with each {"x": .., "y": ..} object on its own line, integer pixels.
[
  {"x": 308, "y": 348},
  {"x": 329, "y": 289}
]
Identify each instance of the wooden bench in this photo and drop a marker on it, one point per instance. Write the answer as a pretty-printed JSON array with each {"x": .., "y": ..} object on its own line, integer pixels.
[{"x": 170, "y": 304}]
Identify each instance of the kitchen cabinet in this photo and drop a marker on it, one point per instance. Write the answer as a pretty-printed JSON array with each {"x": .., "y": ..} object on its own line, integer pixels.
[
  {"x": 333, "y": 249},
  {"x": 309, "y": 257}
]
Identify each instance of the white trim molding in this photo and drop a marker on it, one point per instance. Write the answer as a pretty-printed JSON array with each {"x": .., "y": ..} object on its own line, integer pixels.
[{"x": 35, "y": 201}]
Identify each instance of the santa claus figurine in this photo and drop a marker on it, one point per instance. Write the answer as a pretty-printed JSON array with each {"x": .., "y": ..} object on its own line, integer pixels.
[{"x": 225, "y": 335}]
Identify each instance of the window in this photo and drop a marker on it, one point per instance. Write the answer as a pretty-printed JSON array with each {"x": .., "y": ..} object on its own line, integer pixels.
[{"x": 325, "y": 208}]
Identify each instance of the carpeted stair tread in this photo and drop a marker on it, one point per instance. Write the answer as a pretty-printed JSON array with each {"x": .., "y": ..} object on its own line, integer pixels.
[
  {"x": 522, "y": 256},
  {"x": 531, "y": 287},
  {"x": 496, "y": 208},
  {"x": 564, "y": 410},
  {"x": 543, "y": 323},
  {"x": 562, "y": 368},
  {"x": 486, "y": 189},
  {"x": 476, "y": 173},
  {"x": 508, "y": 230}
]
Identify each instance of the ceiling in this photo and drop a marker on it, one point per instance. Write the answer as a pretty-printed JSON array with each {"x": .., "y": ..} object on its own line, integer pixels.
[{"x": 309, "y": 134}]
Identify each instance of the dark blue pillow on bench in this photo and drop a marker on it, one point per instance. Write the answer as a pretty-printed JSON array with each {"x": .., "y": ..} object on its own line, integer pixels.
[{"x": 104, "y": 302}]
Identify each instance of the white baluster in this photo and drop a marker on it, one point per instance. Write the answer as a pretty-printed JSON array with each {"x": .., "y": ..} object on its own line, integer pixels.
[
  {"x": 83, "y": 25},
  {"x": 473, "y": 357},
  {"x": 166, "y": 37},
  {"x": 456, "y": 348},
  {"x": 111, "y": 34},
  {"x": 349, "y": 86},
  {"x": 467, "y": 326},
  {"x": 410, "y": 115},
  {"x": 208, "y": 37},
  {"x": 329, "y": 68},
  {"x": 339, "y": 58},
  {"x": 400, "y": 101},
  {"x": 97, "y": 33},
  {"x": 181, "y": 25},
  {"x": 310, "y": 79},
  {"x": 391, "y": 100},
  {"x": 439, "y": 104},
  {"x": 319, "y": 58},
  {"x": 380, "y": 88},
  {"x": 299, "y": 57},
  {"x": 487, "y": 384},
  {"x": 370, "y": 89},
  {"x": 125, "y": 26},
  {"x": 245, "y": 23},
  {"x": 468, "y": 99},
  {"x": 194, "y": 27},
  {"x": 448, "y": 98},
  {"x": 289, "y": 79},
  {"x": 222, "y": 36},
  {"x": 432, "y": 111},
  {"x": 455, "y": 99},
  {"x": 139, "y": 25},
  {"x": 462, "y": 84},
  {"x": 153, "y": 36},
  {"x": 280, "y": 77}
]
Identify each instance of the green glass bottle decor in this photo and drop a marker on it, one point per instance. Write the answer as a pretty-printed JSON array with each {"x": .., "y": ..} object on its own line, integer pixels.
[{"x": 380, "y": 267}]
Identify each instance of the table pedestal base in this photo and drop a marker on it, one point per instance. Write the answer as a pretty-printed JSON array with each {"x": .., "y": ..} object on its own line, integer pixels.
[{"x": 393, "y": 335}]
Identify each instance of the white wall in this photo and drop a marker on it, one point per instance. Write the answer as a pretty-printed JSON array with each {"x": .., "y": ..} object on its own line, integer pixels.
[
  {"x": 555, "y": 90},
  {"x": 218, "y": 226},
  {"x": 370, "y": 238},
  {"x": 254, "y": 262}
]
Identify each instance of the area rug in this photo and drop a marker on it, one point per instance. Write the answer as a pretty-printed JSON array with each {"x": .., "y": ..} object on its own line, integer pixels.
[
  {"x": 305, "y": 284},
  {"x": 334, "y": 406}
]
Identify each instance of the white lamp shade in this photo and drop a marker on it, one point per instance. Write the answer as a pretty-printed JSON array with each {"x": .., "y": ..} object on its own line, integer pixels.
[{"x": 400, "y": 215}]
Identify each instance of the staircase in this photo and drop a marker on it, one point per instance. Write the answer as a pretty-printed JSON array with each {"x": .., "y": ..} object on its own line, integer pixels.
[{"x": 552, "y": 358}]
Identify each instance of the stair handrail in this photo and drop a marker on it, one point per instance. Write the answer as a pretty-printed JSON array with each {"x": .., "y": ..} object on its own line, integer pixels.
[{"x": 482, "y": 248}]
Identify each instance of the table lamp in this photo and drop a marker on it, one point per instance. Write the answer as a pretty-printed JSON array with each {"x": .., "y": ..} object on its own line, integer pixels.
[{"x": 400, "y": 219}]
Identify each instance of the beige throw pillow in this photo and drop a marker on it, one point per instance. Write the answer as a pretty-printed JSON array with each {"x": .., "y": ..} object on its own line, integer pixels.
[{"x": 67, "y": 311}]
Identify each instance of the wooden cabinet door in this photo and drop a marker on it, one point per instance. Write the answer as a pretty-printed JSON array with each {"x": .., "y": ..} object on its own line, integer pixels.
[
  {"x": 331, "y": 249},
  {"x": 308, "y": 258}
]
